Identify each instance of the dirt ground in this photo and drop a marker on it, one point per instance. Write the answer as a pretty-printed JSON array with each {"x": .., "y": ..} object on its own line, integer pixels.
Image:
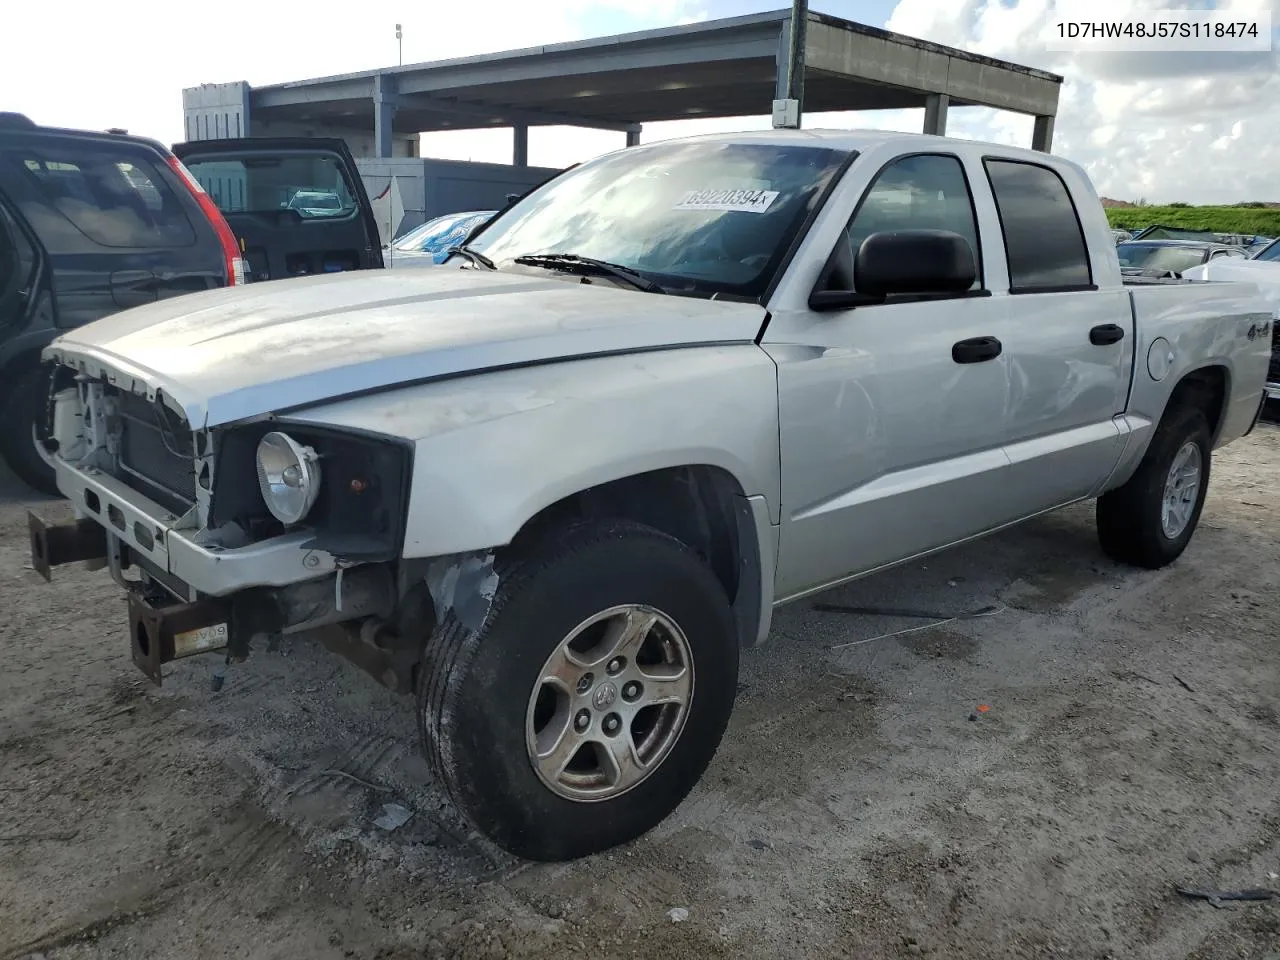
[{"x": 861, "y": 806}]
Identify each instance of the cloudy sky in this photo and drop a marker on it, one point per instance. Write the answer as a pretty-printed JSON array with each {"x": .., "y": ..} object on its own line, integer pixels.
[{"x": 1200, "y": 128}]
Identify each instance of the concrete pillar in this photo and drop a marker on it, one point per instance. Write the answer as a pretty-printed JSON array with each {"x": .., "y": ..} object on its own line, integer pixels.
[
  {"x": 384, "y": 112},
  {"x": 633, "y": 137},
  {"x": 935, "y": 114},
  {"x": 520, "y": 137},
  {"x": 1042, "y": 134},
  {"x": 216, "y": 110}
]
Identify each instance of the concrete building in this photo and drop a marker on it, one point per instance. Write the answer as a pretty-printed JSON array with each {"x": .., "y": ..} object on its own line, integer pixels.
[{"x": 721, "y": 68}]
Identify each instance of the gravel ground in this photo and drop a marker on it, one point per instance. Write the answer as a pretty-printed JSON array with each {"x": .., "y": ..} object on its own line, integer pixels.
[{"x": 862, "y": 805}]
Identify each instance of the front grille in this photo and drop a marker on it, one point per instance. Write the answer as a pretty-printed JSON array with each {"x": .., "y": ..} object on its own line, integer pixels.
[
  {"x": 156, "y": 452},
  {"x": 1273, "y": 370}
]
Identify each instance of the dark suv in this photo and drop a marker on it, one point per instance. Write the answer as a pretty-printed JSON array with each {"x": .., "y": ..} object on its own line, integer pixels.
[{"x": 93, "y": 223}]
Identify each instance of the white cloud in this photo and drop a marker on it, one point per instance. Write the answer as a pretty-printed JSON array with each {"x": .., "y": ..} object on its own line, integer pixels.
[{"x": 1139, "y": 122}]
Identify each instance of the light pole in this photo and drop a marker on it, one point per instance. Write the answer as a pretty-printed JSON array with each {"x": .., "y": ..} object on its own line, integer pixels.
[
  {"x": 790, "y": 103},
  {"x": 400, "y": 43}
]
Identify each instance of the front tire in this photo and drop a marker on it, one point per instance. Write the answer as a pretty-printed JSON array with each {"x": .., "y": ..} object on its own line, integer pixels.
[
  {"x": 1149, "y": 520},
  {"x": 593, "y": 697}
]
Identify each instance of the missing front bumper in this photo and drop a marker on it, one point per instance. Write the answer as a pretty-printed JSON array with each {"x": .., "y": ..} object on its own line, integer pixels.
[{"x": 163, "y": 631}]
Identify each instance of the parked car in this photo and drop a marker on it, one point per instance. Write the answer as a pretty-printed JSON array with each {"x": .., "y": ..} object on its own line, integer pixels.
[
  {"x": 553, "y": 487},
  {"x": 319, "y": 203},
  {"x": 251, "y": 178},
  {"x": 430, "y": 242},
  {"x": 1168, "y": 258},
  {"x": 1266, "y": 251},
  {"x": 1157, "y": 231},
  {"x": 90, "y": 223}
]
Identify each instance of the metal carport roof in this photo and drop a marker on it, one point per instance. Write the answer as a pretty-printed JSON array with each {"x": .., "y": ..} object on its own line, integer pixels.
[{"x": 718, "y": 68}]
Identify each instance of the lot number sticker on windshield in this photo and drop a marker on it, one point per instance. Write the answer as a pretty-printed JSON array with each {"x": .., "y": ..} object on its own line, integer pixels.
[{"x": 746, "y": 201}]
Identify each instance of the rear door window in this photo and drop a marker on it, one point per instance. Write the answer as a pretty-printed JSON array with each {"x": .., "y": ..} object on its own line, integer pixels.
[
  {"x": 311, "y": 184},
  {"x": 114, "y": 197},
  {"x": 1043, "y": 239}
]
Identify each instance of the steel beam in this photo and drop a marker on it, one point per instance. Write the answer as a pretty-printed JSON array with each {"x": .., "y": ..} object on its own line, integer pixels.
[{"x": 500, "y": 113}]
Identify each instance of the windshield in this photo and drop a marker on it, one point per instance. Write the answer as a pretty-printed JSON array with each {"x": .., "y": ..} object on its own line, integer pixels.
[
  {"x": 1148, "y": 256},
  {"x": 440, "y": 233},
  {"x": 700, "y": 217},
  {"x": 312, "y": 184},
  {"x": 1270, "y": 252}
]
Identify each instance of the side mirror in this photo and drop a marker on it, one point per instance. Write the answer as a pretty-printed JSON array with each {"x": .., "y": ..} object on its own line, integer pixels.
[{"x": 895, "y": 262}]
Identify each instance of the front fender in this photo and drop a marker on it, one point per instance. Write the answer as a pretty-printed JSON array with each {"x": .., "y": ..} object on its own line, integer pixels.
[{"x": 494, "y": 449}]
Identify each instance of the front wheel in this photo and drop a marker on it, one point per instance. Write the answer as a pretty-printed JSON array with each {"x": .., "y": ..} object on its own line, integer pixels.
[
  {"x": 1149, "y": 521},
  {"x": 593, "y": 697}
]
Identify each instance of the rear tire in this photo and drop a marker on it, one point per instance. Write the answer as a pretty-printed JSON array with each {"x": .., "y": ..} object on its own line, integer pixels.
[
  {"x": 24, "y": 407},
  {"x": 1149, "y": 521},
  {"x": 517, "y": 723}
]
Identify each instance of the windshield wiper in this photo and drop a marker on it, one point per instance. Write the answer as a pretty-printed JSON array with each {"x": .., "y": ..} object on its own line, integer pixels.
[
  {"x": 475, "y": 256},
  {"x": 573, "y": 263}
]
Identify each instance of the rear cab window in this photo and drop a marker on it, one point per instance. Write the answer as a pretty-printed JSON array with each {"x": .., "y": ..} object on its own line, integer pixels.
[
  {"x": 1043, "y": 239},
  {"x": 106, "y": 194},
  {"x": 314, "y": 186}
]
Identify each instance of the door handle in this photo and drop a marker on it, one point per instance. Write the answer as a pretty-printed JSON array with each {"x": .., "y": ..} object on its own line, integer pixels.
[
  {"x": 976, "y": 350},
  {"x": 1106, "y": 333}
]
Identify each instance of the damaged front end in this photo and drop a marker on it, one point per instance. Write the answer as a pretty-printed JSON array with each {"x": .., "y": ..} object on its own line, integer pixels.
[{"x": 228, "y": 539}]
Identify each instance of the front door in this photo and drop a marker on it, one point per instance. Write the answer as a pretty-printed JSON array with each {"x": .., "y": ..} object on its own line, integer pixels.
[{"x": 893, "y": 416}]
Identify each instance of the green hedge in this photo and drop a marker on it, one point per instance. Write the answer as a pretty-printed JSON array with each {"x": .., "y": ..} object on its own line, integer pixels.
[{"x": 1217, "y": 219}]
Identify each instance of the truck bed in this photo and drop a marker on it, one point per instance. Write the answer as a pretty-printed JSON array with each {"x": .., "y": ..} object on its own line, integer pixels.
[{"x": 1203, "y": 324}]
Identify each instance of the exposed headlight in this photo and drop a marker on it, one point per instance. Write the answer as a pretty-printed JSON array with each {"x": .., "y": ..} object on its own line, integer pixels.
[{"x": 289, "y": 476}]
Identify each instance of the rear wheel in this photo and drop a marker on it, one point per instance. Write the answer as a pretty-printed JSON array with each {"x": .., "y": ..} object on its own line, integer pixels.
[
  {"x": 24, "y": 406},
  {"x": 592, "y": 698},
  {"x": 1149, "y": 521}
]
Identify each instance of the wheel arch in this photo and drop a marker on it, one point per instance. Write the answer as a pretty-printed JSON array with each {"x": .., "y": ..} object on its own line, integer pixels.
[
  {"x": 1205, "y": 387},
  {"x": 704, "y": 507}
]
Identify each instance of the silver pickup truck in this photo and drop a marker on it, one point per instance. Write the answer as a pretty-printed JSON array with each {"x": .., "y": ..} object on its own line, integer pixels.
[{"x": 554, "y": 486}]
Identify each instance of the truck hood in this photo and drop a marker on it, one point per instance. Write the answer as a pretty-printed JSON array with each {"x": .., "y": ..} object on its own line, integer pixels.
[{"x": 237, "y": 353}]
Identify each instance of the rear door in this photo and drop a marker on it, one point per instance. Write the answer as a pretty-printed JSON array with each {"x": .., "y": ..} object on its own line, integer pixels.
[
  {"x": 119, "y": 228},
  {"x": 1069, "y": 349},
  {"x": 297, "y": 205}
]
